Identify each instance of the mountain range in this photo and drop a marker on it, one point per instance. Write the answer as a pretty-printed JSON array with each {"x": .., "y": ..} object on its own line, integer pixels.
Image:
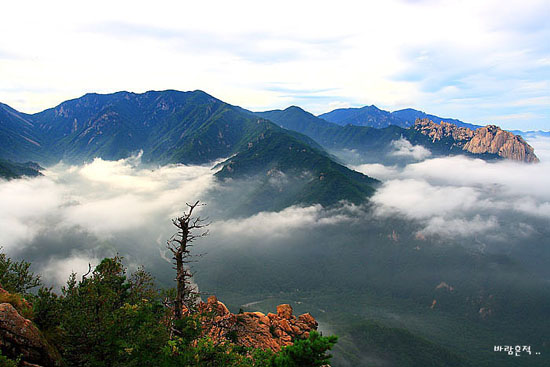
[
  {"x": 438, "y": 301},
  {"x": 374, "y": 117},
  {"x": 181, "y": 127},
  {"x": 196, "y": 128},
  {"x": 376, "y": 143}
]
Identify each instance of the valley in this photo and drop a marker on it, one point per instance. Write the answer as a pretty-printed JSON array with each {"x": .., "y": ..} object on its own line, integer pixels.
[{"x": 415, "y": 251}]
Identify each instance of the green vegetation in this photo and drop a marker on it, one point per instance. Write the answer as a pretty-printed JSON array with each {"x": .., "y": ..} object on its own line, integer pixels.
[
  {"x": 7, "y": 362},
  {"x": 9, "y": 169},
  {"x": 19, "y": 303},
  {"x": 190, "y": 128},
  {"x": 309, "y": 352},
  {"x": 110, "y": 319},
  {"x": 348, "y": 277},
  {"x": 290, "y": 172},
  {"x": 374, "y": 141},
  {"x": 400, "y": 347},
  {"x": 15, "y": 276}
]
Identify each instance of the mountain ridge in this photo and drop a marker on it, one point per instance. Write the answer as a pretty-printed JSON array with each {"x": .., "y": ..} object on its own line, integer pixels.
[
  {"x": 377, "y": 142},
  {"x": 375, "y": 117},
  {"x": 181, "y": 127}
]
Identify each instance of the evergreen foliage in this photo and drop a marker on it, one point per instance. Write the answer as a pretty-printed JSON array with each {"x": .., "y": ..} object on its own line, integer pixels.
[
  {"x": 110, "y": 319},
  {"x": 311, "y": 352},
  {"x": 15, "y": 276}
]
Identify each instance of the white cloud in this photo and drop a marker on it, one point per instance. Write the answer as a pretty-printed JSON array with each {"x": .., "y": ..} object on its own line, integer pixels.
[
  {"x": 403, "y": 148},
  {"x": 83, "y": 213},
  {"x": 376, "y": 170},
  {"x": 459, "y": 227},
  {"x": 506, "y": 177},
  {"x": 541, "y": 144},
  {"x": 274, "y": 226},
  {"x": 417, "y": 199},
  {"x": 460, "y": 196},
  {"x": 235, "y": 50},
  {"x": 58, "y": 270},
  {"x": 26, "y": 205},
  {"x": 102, "y": 197}
]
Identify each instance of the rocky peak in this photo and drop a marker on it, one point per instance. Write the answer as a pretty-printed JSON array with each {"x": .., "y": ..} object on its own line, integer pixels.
[
  {"x": 488, "y": 139},
  {"x": 492, "y": 139},
  {"x": 255, "y": 329},
  {"x": 443, "y": 130}
]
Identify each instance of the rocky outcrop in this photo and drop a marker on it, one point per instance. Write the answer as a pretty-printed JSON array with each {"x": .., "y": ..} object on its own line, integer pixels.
[
  {"x": 254, "y": 329},
  {"x": 444, "y": 130},
  {"x": 490, "y": 139},
  {"x": 494, "y": 140},
  {"x": 20, "y": 338}
]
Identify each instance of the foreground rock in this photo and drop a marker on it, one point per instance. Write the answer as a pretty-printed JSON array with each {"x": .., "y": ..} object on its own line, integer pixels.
[
  {"x": 20, "y": 338},
  {"x": 488, "y": 139},
  {"x": 254, "y": 329}
]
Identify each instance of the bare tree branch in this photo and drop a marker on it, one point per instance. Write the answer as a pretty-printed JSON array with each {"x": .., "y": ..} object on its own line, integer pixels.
[{"x": 179, "y": 245}]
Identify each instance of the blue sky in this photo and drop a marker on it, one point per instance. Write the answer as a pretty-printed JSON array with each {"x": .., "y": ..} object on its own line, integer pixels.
[{"x": 478, "y": 61}]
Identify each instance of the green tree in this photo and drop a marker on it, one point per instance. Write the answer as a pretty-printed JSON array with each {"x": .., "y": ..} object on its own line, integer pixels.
[
  {"x": 310, "y": 352},
  {"x": 6, "y": 362},
  {"x": 109, "y": 320},
  {"x": 15, "y": 276}
]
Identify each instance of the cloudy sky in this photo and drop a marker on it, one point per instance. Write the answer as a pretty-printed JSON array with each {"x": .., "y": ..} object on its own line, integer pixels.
[{"x": 482, "y": 62}]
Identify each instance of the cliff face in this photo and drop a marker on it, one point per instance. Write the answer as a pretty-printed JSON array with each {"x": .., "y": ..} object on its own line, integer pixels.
[
  {"x": 254, "y": 329},
  {"x": 492, "y": 139},
  {"x": 443, "y": 130},
  {"x": 489, "y": 139},
  {"x": 20, "y": 338}
]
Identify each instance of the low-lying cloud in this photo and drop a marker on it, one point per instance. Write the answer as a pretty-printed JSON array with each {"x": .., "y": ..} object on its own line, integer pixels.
[
  {"x": 462, "y": 196},
  {"x": 76, "y": 215},
  {"x": 282, "y": 225},
  {"x": 403, "y": 148},
  {"x": 102, "y": 204}
]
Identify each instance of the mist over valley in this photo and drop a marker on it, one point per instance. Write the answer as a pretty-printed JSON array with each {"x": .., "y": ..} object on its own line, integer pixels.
[{"x": 446, "y": 252}]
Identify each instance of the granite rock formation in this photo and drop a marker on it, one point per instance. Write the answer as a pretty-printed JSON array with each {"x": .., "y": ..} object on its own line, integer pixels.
[
  {"x": 254, "y": 329},
  {"x": 19, "y": 337},
  {"x": 492, "y": 139},
  {"x": 488, "y": 139}
]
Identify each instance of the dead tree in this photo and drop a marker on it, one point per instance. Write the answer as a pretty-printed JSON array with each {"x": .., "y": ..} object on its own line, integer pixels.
[{"x": 180, "y": 245}]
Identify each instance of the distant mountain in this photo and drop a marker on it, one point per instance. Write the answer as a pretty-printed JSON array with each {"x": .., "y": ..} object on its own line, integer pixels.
[
  {"x": 18, "y": 136},
  {"x": 169, "y": 126},
  {"x": 9, "y": 169},
  {"x": 180, "y": 127},
  {"x": 374, "y": 117},
  {"x": 530, "y": 133},
  {"x": 377, "y": 143},
  {"x": 365, "y": 116},
  {"x": 409, "y": 116},
  {"x": 296, "y": 119},
  {"x": 292, "y": 172}
]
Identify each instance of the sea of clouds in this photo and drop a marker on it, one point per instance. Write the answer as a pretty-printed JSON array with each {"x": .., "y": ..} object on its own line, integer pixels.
[
  {"x": 75, "y": 215},
  {"x": 463, "y": 196}
]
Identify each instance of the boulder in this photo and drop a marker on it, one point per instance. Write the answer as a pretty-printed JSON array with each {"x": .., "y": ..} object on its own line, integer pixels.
[
  {"x": 254, "y": 329},
  {"x": 19, "y": 337}
]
